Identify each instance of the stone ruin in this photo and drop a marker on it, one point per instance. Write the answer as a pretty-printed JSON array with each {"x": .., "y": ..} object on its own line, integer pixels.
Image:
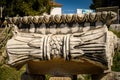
[{"x": 62, "y": 45}]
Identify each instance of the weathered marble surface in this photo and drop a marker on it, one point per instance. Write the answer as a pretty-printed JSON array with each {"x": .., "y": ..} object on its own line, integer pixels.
[
  {"x": 68, "y": 37},
  {"x": 24, "y": 46}
]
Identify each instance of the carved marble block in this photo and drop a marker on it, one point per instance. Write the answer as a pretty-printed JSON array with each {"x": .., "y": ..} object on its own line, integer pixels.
[{"x": 51, "y": 44}]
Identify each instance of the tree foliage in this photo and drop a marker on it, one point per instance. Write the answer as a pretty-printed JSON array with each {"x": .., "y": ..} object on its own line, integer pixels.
[
  {"x": 25, "y": 7},
  {"x": 104, "y": 3}
]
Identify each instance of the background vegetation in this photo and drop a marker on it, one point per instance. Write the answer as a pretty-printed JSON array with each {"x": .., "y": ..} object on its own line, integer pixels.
[
  {"x": 38, "y": 7},
  {"x": 8, "y": 73},
  {"x": 104, "y": 3},
  {"x": 25, "y": 7},
  {"x": 116, "y": 60}
]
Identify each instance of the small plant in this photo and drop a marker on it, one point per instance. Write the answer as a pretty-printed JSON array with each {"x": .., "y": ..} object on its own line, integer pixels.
[
  {"x": 8, "y": 73},
  {"x": 116, "y": 59}
]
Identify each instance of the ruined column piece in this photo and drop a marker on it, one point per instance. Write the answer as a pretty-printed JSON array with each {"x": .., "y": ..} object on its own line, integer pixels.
[{"x": 80, "y": 40}]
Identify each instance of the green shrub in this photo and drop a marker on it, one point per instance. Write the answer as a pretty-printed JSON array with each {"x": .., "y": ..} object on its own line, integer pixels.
[
  {"x": 116, "y": 59},
  {"x": 8, "y": 73}
]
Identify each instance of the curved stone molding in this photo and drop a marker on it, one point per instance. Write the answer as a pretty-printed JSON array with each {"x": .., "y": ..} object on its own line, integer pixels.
[
  {"x": 56, "y": 18},
  {"x": 81, "y": 17},
  {"x": 36, "y": 19},
  {"x": 69, "y": 18},
  {"x": 24, "y": 20},
  {"x": 46, "y": 19},
  {"x": 30, "y": 19},
  {"x": 91, "y": 17},
  {"x": 104, "y": 15}
]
